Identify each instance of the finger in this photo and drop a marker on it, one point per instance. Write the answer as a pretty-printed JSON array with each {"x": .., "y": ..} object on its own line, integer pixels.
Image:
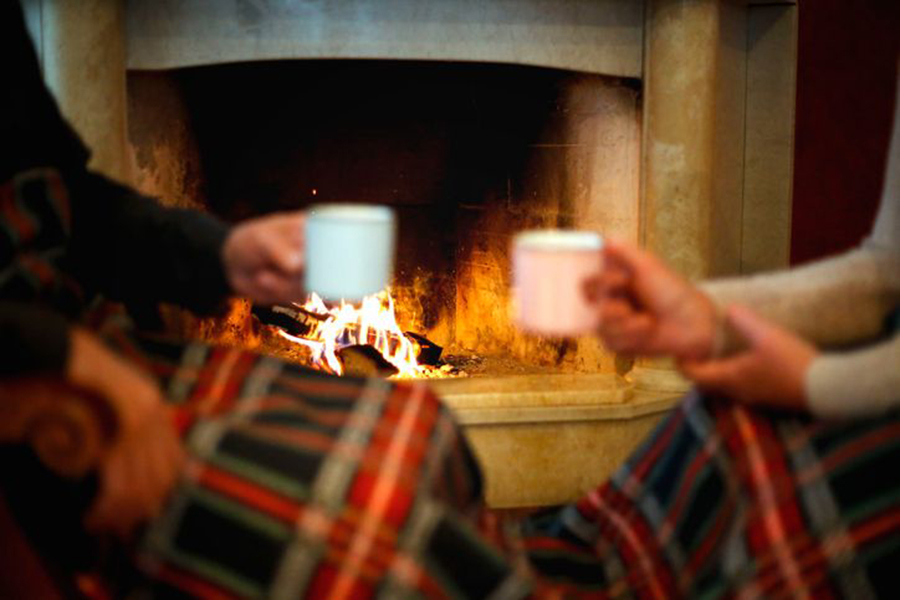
[
  {"x": 155, "y": 468},
  {"x": 615, "y": 279},
  {"x": 751, "y": 327},
  {"x": 632, "y": 336},
  {"x": 616, "y": 310},
  {"x": 610, "y": 282},
  {"x": 592, "y": 289},
  {"x": 273, "y": 288},
  {"x": 723, "y": 375},
  {"x": 285, "y": 254},
  {"x": 270, "y": 287},
  {"x": 292, "y": 240},
  {"x": 623, "y": 255},
  {"x": 295, "y": 225}
]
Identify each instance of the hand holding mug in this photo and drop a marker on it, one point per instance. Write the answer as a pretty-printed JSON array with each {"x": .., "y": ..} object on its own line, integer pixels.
[
  {"x": 264, "y": 258},
  {"x": 646, "y": 308}
]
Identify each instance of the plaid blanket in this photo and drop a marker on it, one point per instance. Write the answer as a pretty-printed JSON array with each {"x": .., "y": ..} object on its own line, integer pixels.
[
  {"x": 304, "y": 485},
  {"x": 301, "y": 484},
  {"x": 725, "y": 501},
  {"x": 35, "y": 225}
]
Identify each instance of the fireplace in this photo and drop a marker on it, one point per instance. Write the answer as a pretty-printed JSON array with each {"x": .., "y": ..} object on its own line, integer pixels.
[
  {"x": 467, "y": 154},
  {"x": 667, "y": 123}
]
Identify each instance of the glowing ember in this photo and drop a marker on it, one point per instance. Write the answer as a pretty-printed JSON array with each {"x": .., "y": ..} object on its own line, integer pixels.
[{"x": 372, "y": 323}]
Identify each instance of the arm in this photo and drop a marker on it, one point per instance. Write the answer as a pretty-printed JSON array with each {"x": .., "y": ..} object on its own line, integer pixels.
[
  {"x": 647, "y": 309},
  {"x": 134, "y": 250},
  {"x": 122, "y": 243},
  {"x": 843, "y": 299},
  {"x": 863, "y": 382},
  {"x": 833, "y": 302}
]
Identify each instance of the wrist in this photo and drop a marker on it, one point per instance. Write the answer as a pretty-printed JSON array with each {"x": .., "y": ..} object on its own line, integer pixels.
[
  {"x": 718, "y": 338},
  {"x": 707, "y": 325}
]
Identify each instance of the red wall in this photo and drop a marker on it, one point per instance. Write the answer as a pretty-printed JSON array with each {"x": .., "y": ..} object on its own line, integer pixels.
[{"x": 846, "y": 73}]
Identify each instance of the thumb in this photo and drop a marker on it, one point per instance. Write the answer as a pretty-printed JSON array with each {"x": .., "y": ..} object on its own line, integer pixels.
[
  {"x": 752, "y": 328},
  {"x": 286, "y": 255},
  {"x": 622, "y": 254}
]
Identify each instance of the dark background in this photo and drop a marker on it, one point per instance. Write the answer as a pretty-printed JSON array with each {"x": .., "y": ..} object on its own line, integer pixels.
[{"x": 846, "y": 75}]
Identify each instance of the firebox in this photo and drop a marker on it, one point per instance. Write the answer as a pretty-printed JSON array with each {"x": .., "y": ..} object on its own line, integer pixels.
[
  {"x": 466, "y": 154},
  {"x": 665, "y": 122}
]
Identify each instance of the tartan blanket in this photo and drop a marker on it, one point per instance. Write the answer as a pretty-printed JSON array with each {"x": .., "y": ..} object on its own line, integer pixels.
[
  {"x": 35, "y": 226},
  {"x": 724, "y": 501},
  {"x": 304, "y": 485}
]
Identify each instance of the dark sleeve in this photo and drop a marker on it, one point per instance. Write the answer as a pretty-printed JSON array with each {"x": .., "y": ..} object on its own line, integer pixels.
[
  {"x": 34, "y": 340},
  {"x": 134, "y": 250}
]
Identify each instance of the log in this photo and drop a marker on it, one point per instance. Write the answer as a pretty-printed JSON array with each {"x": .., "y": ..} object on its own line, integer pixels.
[
  {"x": 302, "y": 323},
  {"x": 365, "y": 361},
  {"x": 429, "y": 352}
]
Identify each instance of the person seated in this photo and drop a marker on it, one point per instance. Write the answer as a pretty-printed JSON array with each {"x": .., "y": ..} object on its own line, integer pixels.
[
  {"x": 775, "y": 477},
  {"x": 256, "y": 457}
]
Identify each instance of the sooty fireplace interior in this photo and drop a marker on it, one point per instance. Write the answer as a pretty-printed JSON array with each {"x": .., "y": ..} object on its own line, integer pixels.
[{"x": 466, "y": 153}]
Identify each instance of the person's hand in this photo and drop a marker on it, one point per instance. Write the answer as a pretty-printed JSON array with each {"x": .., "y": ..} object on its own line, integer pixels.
[
  {"x": 770, "y": 370},
  {"x": 264, "y": 258},
  {"x": 146, "y": 457},
  {"x": 646, "y": 308}
]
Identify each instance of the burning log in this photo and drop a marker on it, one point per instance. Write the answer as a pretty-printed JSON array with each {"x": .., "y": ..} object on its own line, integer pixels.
[
  {"x": 365, "y": 361},
  {"x": 302, "y": 323},
  {"x": 298, "y": 321},
  {"x": 429, "y": 352},
  {"x": 328, "y": 331}
]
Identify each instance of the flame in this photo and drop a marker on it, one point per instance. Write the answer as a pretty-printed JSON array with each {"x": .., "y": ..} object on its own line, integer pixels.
[{"x": 373, "y": 322}]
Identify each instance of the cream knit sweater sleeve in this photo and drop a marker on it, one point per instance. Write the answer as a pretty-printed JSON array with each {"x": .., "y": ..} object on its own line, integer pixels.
[{"x": 841, "y": 301}]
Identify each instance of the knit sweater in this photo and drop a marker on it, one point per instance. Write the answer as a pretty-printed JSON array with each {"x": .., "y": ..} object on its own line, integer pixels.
[{"x": 841, "y": 304}]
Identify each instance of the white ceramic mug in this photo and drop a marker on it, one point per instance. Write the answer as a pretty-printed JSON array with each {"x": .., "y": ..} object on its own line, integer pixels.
[
  {"x": 349, "y": 250},
  {"x": 549, "y": 270}
]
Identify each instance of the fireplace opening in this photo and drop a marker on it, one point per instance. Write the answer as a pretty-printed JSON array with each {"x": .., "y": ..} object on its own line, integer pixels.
[{"x": 467, "y": 154}]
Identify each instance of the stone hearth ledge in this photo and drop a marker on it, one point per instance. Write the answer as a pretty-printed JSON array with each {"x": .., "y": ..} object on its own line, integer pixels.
[
  {"x": 540, "y": 398},
  {"x": 547, "y": 439}
]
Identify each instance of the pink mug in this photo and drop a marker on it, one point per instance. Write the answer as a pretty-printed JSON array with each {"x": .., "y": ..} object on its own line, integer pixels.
[{"x": 549, "y": 270}]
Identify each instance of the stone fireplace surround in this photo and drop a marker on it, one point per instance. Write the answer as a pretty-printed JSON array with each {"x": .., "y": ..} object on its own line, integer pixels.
[{"x": 712, "y": 136}]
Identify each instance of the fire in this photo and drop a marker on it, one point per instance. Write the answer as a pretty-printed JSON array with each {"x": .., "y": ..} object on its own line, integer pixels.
[{"x": 373, "y": 323}]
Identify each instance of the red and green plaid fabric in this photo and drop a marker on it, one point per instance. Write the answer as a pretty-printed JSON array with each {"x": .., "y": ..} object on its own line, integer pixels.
[
  {"x": 35, "y": 225},
  {"x": 306, "y": 485},
  {"x": 300, "y": 483},
  {"x": 726, "y": 501}
]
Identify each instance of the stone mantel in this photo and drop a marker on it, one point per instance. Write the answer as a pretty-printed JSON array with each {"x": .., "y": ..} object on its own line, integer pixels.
[{"x": 595, "y": 36}]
